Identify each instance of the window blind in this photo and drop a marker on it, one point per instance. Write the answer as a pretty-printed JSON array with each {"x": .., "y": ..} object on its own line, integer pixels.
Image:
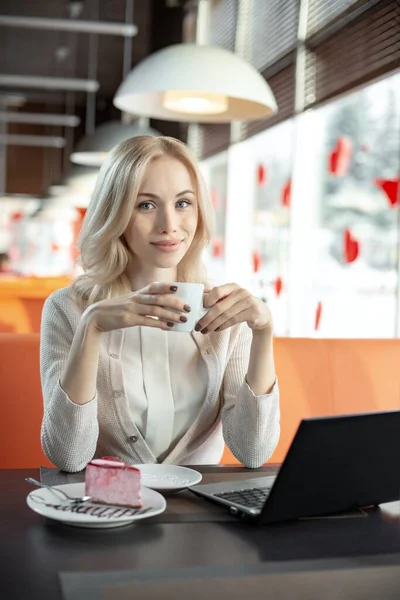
[
  {"x": 350, "y": 48},
  {"x": 223, "y": 19},
  {"x": 223, "y": 23},
  {"x": 270, "y": 46}
]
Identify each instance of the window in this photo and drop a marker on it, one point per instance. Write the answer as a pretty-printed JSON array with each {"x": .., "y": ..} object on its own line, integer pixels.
[
  {"x": 215, "y": 172},
  {"x": 355, "y": 280}
]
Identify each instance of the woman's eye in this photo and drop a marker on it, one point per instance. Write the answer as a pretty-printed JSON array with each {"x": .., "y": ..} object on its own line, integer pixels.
[
  {"x": 183, "y": 202},
  {"x": 146, "y": 205}
]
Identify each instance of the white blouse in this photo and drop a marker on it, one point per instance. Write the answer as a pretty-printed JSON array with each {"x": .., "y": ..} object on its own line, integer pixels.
[{"x": 163, "y": 401}]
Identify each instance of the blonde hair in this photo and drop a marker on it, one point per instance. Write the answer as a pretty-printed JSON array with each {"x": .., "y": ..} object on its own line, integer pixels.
[{"x": 104, "y": 254}]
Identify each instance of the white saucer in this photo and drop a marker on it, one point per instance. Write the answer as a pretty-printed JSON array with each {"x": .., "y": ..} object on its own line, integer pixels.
[
  {"x": 168, "y": 478},
  {"x": 45, "y": 503}
]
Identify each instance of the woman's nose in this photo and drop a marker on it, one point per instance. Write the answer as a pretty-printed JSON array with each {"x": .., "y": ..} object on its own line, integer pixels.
[{"x": 167, "y": 222}]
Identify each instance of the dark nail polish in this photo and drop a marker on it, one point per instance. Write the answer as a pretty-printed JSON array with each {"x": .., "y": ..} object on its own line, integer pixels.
[
  {"x": 173, "y": 288},
  {"x": 198, "y": 327},
  {"x": 204, "y": 330},
  {"x": 170, "y": 324},
  {"x": 187, "y": 308},
  {"x": 183, "y": 319}
]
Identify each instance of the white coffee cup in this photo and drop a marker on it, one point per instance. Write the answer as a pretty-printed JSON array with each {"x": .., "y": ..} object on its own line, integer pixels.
[{"x": 191, "y": 294}]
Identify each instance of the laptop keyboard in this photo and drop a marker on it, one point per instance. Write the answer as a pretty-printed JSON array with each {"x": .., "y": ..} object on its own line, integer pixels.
[{"x": 252, "y": 498}]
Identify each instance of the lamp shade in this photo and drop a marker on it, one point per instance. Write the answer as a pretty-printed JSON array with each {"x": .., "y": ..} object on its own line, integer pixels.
[
  {"x": 80, "y": 182},
  {"x": 93, "y": 149},
  {"x": 203, "y": 84}
]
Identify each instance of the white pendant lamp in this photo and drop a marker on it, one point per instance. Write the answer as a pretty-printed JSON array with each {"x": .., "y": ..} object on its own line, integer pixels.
[
  {"x": 80, "y": 182},
  {"x": 92, "y": 149},
  {"x": 194, "y": 83}
]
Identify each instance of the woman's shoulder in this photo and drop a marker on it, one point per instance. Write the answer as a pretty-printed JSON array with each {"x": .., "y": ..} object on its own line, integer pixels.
[{"x": 63, "y": 300}]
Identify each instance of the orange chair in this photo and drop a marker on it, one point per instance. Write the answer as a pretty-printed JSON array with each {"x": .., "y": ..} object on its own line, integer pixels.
[
  {"x": 316, "y": 378},
  {"x": 21, "y": 402},
  {"x": 22, "y": 299}
]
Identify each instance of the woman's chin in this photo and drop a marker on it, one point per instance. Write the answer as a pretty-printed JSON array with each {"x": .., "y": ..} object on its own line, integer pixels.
[{"x": 168, "y": 262}]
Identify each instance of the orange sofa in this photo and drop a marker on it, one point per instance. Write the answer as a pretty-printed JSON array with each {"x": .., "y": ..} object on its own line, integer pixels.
[
  {"x": 319, "y": 377},
  {"x": 316, "y": 377}
]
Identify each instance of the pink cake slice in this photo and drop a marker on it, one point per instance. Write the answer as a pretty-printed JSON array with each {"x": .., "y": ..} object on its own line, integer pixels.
[{"x": 113, "y": 482}]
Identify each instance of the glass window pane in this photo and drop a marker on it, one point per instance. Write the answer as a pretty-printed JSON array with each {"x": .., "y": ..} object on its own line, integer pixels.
[
  {"x": 355, "y": 279},
  {"x": 272, "y": 161}
]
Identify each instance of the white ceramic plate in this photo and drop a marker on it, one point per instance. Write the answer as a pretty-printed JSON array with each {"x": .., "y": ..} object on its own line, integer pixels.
[
  {"x": 168, "y": 478},
  {"x": 45, "y": 503}
]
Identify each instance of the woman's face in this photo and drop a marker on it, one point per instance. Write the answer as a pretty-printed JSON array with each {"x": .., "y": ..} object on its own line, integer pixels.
[{"x": 164, "y": 219}]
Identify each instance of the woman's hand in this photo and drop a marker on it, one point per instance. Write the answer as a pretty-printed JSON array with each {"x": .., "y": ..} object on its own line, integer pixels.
[
  {"x": 230, "y": 304},
  {"x": 138, "y": 308}
]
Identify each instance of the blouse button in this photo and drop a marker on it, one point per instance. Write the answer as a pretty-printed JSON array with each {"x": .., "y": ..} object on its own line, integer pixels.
[
  {"x": 114, "y": 355},
  {"x": 118, "y": 393},
  {"x": 133, "y": 438},
  {"x": 206, "y": 352}
]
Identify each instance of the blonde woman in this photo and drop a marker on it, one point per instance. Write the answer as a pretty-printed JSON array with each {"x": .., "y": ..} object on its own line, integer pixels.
[{"x": 117, "y": 381}]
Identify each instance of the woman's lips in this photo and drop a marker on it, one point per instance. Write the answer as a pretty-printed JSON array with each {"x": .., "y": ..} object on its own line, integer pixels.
[{"x": 167, "y": 246}]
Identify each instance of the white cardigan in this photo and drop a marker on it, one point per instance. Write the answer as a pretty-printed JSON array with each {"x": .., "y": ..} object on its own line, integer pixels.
[{"x": 73, "y": 434}]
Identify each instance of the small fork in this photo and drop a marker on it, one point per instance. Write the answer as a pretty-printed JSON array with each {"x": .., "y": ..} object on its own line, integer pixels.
[{"x": 66, "y": 497}]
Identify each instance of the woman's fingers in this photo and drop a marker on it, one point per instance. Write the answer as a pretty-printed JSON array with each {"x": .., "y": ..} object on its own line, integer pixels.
[
  {"x": 155, "y": 323},
  {"x": 219, "y": 293},
  {"x": 160, "y": 312},
  {"x": 226, "y": 305},
  {"x": 162, "y": 300},
  {"x": 235, "y": 314},
  {"x": 238, "y": 318},
  {"x": 160, "y": 288}
]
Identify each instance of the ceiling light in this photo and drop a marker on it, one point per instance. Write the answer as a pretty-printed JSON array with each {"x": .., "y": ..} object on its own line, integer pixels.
[
  {"x": 12, "y": 100},
  {"x": 49, "y": 83},
  {"x": 189, "y": 82},
  {"x": 97, "y": 27},
  {"x": 80, "y": 180},
  {"x": 92, "y": 150},
  {"x": 43, "y": 141},
  {"x": 195, "y": 102},
  {"x": 40, "y": 119}
]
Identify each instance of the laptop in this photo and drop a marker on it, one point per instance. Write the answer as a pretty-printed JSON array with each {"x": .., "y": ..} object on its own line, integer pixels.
[{"x": 334, "y": 464}]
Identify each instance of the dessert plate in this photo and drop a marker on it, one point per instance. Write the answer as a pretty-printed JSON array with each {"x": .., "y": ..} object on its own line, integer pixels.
[
  {"x": 168, "y": 478},
  {"x": 92, "y": 515}
]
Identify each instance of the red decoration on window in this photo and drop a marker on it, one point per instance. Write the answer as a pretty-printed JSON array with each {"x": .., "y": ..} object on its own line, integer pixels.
[
  {"x": 318, "y": 315},
  {"x": 261, "y": 175},
  {"x": 217, "y": 248},
  {"x": 286, "y": 191},
  {"x": 278, "y": 286},
  {"x": 17, "y": 216},
  {"x": 351, "y": 247},
  {"x": 340, "y": 157},
  {"x": 256, "y": 261},
  {"x": 391, "y": 189},
  {"x": 81, "y": 212}
]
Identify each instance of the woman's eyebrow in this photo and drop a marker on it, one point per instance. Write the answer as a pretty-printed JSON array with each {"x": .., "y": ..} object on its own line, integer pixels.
[
  {"x": 148, "y": 195},
  {"x": 185, "y": 192},
  {"x": 155, "y": 197}
]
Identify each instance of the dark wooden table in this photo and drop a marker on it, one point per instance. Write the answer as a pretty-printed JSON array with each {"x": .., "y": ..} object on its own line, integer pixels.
[{"x": 34, "y": 550}]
